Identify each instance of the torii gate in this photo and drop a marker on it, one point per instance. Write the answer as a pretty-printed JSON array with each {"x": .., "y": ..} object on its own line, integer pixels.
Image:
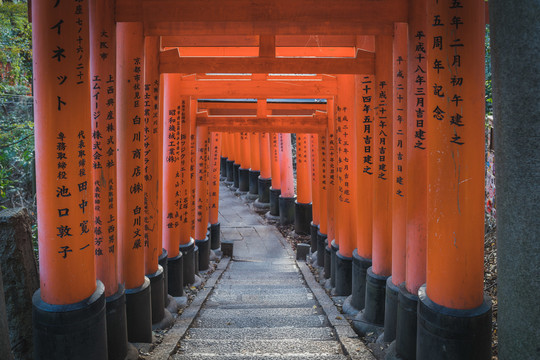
[{"x": 402, "y": 199}]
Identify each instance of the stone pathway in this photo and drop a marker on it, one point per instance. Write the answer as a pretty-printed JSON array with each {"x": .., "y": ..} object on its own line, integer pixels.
[{"x": 261, "y": 308}]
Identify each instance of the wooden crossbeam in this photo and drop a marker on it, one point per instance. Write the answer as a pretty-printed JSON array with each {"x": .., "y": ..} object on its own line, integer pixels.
[
  {"x": 250, "y": 89},
  {"x": 283, "y": 124},
  {"x": 254, "y": 17},
  {"x": 203, "y": 105},
  {"x": 319, "y": 41},
  {"x": 171, "y": 62}
]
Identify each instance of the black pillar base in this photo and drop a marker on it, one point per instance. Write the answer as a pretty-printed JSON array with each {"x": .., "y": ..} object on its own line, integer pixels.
[
  {"x": 286, "y": 210},
  {"x": 117, "y": 341},
  {"x": 74, "y": 331},
  {"x": 406, "y": 324},
  {"x": 162, "y": 260},
  {"x": 371, "y": 319},
  {"x": 274, "y": 201},
  {"x": 321, "y": 238},
  {"x": 343, "y": 275},
  {"x": 451, "y": 333},
  {"x": 302, "y": 218},
  {"x": 204, "y": 253},
  {"x": 254, "y": 183},
  {"x": 243, "y": 180},
  {"x": 313, "y": 230},
  {"x": 390, "y": 311},
  {"x": 359, "y": 270},
  {"x": 196, "y": 257},
  {"x": 223, "y": 167},
  {"x": 334, "y": 248},
  {"x": 156, "y": 293},
  {"x": 230, "y": 171},
  {"x": 236, "y": 176},
  {"x": 327, "y": 260},
  {"x": 176, "y": 275},
  {"x": 264, "y": 190},
  {"x": 215, "y": 236},
  {"x": 188, "y": 256},
  {"x": 139, "y": 313}
]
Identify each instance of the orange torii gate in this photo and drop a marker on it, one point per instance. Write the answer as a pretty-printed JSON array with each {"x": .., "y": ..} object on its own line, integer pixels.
[{"x": 372, "y": 144}]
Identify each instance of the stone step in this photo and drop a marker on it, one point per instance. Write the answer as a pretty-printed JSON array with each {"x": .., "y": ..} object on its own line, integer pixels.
[
  {"x": 261, "y": 357},
  {"x": 305, "y": 300},
  {"x": 261, "y": 266},
  {"x": 255, "y": 277},
  {"x": 269, "y": 281},
  {"x": 259, "y": 290},
  {"x": 308, "y": 348},
  {"x": 277, "y": 312},
  {"x": 261, "y": 321},
  {"x": 249, "y": 333}
]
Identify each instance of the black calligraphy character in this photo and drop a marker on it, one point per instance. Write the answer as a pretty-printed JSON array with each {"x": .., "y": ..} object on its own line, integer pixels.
[
  {"x": 63, "y": 230},
  {"x": 60, "y": 103},
  {"x": 58, "y": 53},
  {"x": 58, "y": 26},
  {"x": 65, "y": 249},
  {"x": 62, "y": 79},
  {"x": 62, "y": 191},
  {"x": 84, "y": 227}
]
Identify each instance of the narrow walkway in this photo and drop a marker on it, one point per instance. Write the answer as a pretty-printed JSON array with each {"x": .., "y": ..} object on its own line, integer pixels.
[{"x": 261, "y": 307}]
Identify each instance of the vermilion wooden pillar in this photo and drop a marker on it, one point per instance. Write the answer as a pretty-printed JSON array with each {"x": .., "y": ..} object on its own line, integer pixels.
[
  {"x": 255, "y": 166},
  {"x": 416, "y": 185},
  {"x": 224, "y": 157},
  {"x": 399, "y": 194},
  {"x": 192, "y": 167},
  {"x": 152, "y": 183},
  {"x": 130, "y": 132},
  {"x": 287, "y": 198},
  {"x": 103, "y": 107},
  {"x": 323, "y": 196},
  {"x": 173, "y": 193},
  {"x": 373, "y": 314},
  {"x": 228, "y": 148},
  {"x": 303, "y": 211},
  {"x": 187, "y": 244},
  {"x": 329, "y": 260},
  {"x": 275, "y": 190},
  {"x": 455, "y": 245},
  {"x": 265, "y": 179},
  {"x": 201, "y": 197},
  {"x": 216, "y": 140},
  {"x": 64, "y": 187},
  {"x": 245, "y": 163},
  {"x": 315, "y": 189},
  {"x": 237, "y": 160},
  {"x": 346, "y": 183},
  {"x": 365, "y": 148}
]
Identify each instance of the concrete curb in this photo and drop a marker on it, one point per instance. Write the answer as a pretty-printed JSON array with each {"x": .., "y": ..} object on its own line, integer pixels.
[
  {"x": 351, "y": 343},
  {"x": 168, "y": 346}
]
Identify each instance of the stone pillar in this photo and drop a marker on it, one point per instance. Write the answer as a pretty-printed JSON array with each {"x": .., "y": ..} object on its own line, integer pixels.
[
  {"x": 516, "y": 75},
  {"x": 20, "y": 279}
]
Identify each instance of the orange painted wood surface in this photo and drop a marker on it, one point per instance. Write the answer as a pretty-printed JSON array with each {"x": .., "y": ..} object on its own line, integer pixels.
[
  {"x": 346, "y": 162},
  {"x": 201, "y": 183},
  {"x": 103, "y": 120},
  {"x": 130, "y": 130},
  {"x": 286, "y": 168},
  {"x": 264, "y": 153},
  {"x": 272, "y": 108},
  {"x": 400, "y": 196},
  {"x": 365, "y": 148},
  {"x": 171, "y": 62},
  {"x": 303, "y": 169},
  {"x": 172, "y": 189},
  {"x": 274, "y": 161},
  {"x": 323, "y": 183},
  {"x": 216, "y": 142},
  {"x": 417, "y": 135},
  {"x": 382, "y": 184},
  {"x": 186, "y": 172},
  {"x": 193, "y": 160},
  {"x": 315, "y": 176},
  {"x": 245, "y": 146},
  {"x": 331, "y": 171},
  {"x": 455, "y": 247},
  {"x": 291, "y": 124},
  {"x": 63, "y": 152},
  {"x": 153, "y": 151},
  {"x": 255, "y": 156}
]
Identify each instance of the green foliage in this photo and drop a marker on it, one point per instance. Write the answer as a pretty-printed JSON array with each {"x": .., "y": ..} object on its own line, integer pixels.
[
  {"x": 489, "y": 95},
  {"x": 16, "y": 45}
]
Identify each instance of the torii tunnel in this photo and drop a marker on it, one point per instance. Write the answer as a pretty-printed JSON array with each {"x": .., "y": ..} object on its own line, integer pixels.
[{"x": 142, "y": 106}]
